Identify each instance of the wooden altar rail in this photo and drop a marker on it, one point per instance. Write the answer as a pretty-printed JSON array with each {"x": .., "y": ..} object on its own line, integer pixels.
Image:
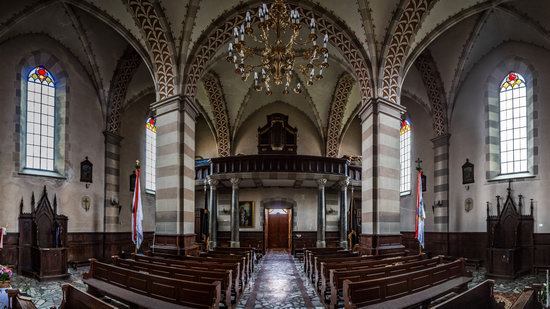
[{"x": 276, "y": 163}]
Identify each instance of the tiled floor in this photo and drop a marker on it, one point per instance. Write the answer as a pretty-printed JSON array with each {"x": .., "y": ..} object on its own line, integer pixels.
[{"x": 278, "y": 282}]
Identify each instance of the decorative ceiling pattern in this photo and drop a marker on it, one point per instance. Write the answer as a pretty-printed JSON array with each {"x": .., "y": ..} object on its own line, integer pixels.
[
  {"x": 124, "y": 72},
  {"x": 373, "y": 41},
  {"x": 436, "y": 93},
  {"x": 336, "y": 113},
  {"x": 219, "y": 108}
]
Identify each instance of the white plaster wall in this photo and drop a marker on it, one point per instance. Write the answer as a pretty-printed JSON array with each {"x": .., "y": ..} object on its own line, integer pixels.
[
  {"x": 468, "y": 141},
  {"x": 132, "y": 148},
  {"x": 205, "y": 144},
  {"x": 85, "y": 138},
  {"x": 421, "y": 147},
  {"x": 351, "y": 141},
  {"x": 309, "y": 140},
  {"x": 306, "y": 206}
]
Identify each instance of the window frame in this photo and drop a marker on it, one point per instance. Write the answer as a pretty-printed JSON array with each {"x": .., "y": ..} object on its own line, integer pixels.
[
  {"x": 405, "y": 177},
  {"x": 150, "y": 132}
]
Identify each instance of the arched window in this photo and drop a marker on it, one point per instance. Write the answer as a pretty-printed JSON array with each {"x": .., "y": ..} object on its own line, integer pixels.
[
  {"x": 405, "y": 156},
  {"x": 150, "y": 153},
  {"x": 513, "y": 125},
  {"x": 40, "y": 120}
]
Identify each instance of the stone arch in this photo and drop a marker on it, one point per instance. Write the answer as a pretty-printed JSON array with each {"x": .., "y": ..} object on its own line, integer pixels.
[
  {"x": 336, "y": 113},
  {"x": 220, "y": 32},
  {"x": 218, "y": 103}
]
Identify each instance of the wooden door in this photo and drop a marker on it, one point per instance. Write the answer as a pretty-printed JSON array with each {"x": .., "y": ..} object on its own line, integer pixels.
[{"x": 278, "y": 228}]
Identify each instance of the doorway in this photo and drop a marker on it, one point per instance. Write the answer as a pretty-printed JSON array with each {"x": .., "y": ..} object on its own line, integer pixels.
[{"x": 278, "y": 228}]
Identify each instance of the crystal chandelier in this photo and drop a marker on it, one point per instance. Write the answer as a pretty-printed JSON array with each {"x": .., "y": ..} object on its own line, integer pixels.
[{"x": 277, "y": 46}]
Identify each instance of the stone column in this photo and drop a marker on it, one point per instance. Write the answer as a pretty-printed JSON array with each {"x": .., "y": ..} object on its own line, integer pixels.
[
  {"x": 380, "y": 122},
  {"x": 235, "y": 213},
  {"x": 112, "y": 181},
  {"x": 213, "y": 213},
  {"x": 175, "y": 194},
  {"x": 441, "y": 184},
  {"x": 321, "y": 214},
  {"x": 344, "y": 209}
]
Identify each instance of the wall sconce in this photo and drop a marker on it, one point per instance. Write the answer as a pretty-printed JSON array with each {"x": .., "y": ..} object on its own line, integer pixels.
[
  {"x": 437, "y": 204},
  {"x": 86, "y": 170}
]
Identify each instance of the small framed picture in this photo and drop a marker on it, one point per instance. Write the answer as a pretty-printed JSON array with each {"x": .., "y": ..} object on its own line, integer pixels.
[
  {"x": 467, "y": 173},
  {"x": 246, "y": 214}
]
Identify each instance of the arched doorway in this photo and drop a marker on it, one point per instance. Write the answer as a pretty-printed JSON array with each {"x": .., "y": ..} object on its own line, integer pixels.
[{"x": 279, "y": 216}]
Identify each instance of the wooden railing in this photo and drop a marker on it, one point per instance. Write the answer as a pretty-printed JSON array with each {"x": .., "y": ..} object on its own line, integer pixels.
[{"x": 276, "y": 163}]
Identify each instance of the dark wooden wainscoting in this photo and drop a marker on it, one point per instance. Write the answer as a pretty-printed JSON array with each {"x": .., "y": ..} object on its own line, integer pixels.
[
  {"x": 542, "y": 250},
  {"x": 256, "y": 239},
  {"x": 82, "y": 246},
  {"x": 469, "y": 245},
  {"x": 309, "y": 239},
  {"x": 247, "y": 239}
]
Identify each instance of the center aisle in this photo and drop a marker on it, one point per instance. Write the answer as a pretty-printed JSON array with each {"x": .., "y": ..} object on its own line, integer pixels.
[{"x": 278, "y": 284}]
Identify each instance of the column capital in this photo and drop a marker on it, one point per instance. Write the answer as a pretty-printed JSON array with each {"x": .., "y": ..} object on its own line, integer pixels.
[
  {"x": 344, "y": 183},
  {"x": 213, "y": 183},
  {"x": 381, "y": 105},
  {"x": 112, "y": 138},
  {"x": 441, "y": 140},
  {"x": 322, "y": 182},
  {"x": 176, "y": 103},
  {"x": 235, "y": 182}
]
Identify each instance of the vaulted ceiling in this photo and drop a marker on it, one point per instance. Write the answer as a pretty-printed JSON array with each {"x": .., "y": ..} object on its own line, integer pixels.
[{"x": 375, "y": 42}]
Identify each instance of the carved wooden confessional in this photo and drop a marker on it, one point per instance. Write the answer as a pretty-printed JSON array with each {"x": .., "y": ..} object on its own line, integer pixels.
[
  {"x": 277, "y": 136},
  {"x": 510, "y": 236},
  {"x": 42, "y": 240}
]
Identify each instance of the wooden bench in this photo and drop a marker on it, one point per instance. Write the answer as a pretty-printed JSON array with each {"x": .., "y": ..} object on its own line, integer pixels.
[
  {"x": 187, "y": 274},
  {"x": 18, "y": 301},
  {"x": 75, "y": 298},
  {"x": 528, "y": 298},
  {"x": 317, "y": 250},
  {"x": 149, "y": 291},
  {"x": 309, "y": 257},
  {"x": 407, "y": 290},
  {"x": 337, "y": 278},
  {"x": 247, "y": 255},
  {"x": 363, "y": 262},
  {"x": 479, "y": 297},
  {"x": 237, "y": 280}
]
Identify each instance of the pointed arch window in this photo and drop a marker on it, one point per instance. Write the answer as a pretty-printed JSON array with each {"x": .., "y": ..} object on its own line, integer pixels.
[
  {"x": 40, "y": 120},
  {"x": 405, "y": 156},
  {"x": 513, "y": 125},
  {"x": 150, "y": 153}
]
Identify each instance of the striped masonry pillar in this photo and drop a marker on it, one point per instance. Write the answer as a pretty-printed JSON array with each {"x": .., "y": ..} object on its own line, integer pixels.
[
  {"x": 175, "y": 183},
  {"x": 441, "y": 182},
  {"x": 112, "y": 181},
  {"x": 380, "y": 122}
]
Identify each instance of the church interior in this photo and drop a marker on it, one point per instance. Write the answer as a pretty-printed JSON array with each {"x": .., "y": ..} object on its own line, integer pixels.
[{"x": 274, "y": 154}]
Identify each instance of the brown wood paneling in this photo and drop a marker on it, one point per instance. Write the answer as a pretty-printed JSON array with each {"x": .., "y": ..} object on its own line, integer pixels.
[
  {"x": 9, "y": 254},
  {"x": 469, "y": 245},
  {"x": 542, "y": 250}
]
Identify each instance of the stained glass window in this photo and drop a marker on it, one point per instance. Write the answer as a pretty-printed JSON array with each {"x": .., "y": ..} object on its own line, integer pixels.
[
  {"x": 513, "y": 124},
  {"x": 150, "y": 153},
  {"x": 40, "y": 121},
  {"x": 405, "y": 156}
]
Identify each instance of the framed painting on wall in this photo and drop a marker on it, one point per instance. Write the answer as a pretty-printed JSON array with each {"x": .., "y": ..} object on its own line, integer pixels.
[{"x": 246, "y": 214}]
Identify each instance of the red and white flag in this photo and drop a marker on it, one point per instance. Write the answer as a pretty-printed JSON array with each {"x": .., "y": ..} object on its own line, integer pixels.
[{"x": 137, "y": 212}]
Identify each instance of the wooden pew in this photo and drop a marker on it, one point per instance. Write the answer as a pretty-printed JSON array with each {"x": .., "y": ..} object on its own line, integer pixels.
[
  {"x": 315, "y": 260},
  {"x": 75, "y": 298},
  {"x": 317, "y": 250},
  {"x": 310, "y": 254},
  {"x": 337, "y": 278},
  {"x": 18, "y": 301},
  {"x": 229, "y": 259},
  {"x": 248, "y": 255},
  {"x": 407, "y": 290},
  {"x": 479, "y": 297},
  {"x": 359, "y": 262},
  {"x": 187, "y": 274},
  {"x": 150, "y": 291},
  {"x": 528, "y": 298},
  {"x": 258, "y": 253},
  {"x": 237, "y": 280}
]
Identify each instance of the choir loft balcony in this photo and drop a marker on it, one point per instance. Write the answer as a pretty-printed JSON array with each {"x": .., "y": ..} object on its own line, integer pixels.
[{"x": 277, "y": 170}]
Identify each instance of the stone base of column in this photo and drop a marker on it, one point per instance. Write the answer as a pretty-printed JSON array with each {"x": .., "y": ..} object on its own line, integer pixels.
[
  {"x": 212, "y": 245},
  {"x": 235, "y": 244},
  {"x": 380, "y": 244},
  {"x": 344, "y": 244},
  {"x": 176, "y": 244},
  {"x": 321, "y": 244}
]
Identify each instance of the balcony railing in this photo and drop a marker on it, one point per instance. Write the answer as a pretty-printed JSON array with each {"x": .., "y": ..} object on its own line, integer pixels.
[{"x": 276, "y": 163}]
